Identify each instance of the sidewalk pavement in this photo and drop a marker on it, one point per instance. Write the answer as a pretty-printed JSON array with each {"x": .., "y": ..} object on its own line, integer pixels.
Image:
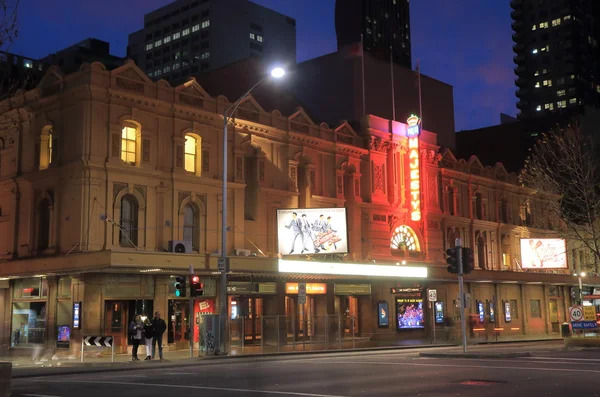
[{"x": 23, "y": 368}]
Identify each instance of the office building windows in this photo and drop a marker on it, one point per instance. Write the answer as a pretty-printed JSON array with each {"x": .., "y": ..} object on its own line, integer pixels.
[
  {"x": 185, "y": 32},
  {"x": 562, "y": 104},
  {"x": 259, "y": 38},
  {"x": 167, "y": 39},
  {"x": 158, "y": 43},
  {"x": 206, "y": 23},
  {"x": 196, "y": 27},
  {"x": 252, "y": 36},
  {"x": 149, "y": 46},
  {"x": 176, "y": 35}
]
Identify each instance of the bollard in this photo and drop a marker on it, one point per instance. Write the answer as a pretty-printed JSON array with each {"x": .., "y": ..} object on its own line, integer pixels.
[{"x": 5, "y": 378}]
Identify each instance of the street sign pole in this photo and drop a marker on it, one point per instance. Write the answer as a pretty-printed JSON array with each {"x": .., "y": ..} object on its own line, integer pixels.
[
  {"x": 191, "y": 314},
  {"x": 432, "y": 298},
  {"x": 433, "y": 320},
  {"x": 461, "y": 291}
]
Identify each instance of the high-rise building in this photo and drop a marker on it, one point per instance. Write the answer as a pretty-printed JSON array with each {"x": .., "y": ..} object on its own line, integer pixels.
[
  {"x": 384, "y": 24},
  {"x": 557, "y": 55},
  {"x": 190, "y": 36}
]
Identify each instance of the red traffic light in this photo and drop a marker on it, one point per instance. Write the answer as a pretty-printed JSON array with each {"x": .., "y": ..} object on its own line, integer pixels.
[{"x": 195, "y": 279}]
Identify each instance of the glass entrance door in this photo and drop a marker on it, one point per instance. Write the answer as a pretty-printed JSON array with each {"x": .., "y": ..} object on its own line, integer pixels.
[
  {"x": 303, "y": 316},
  {"x": 249, "y": 310}
]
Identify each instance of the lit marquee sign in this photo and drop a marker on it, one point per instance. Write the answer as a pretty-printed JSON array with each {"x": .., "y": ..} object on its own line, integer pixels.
[{"x": 412, "y": 133}]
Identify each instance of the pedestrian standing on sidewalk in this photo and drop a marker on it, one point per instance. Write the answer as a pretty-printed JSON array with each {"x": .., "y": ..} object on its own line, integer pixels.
[
  {"x": 136, "y": 329},
  {"x": 148, "y": 334},
  {"x": 159, "y": 326}
]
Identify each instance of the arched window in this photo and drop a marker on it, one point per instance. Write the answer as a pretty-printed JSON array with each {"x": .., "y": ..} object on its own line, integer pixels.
[
  {"x": 190, "y": 226},
  {"x": 43, "y": 240},
  {"x": 478, "y": 206},
  {"x": 190, "y": 154},
  {"x": 128, "y": 145},
  {"x": 404, "y": 240},
  {"x": 481, "y": 251},
  {"x": 129, "y": 221}
]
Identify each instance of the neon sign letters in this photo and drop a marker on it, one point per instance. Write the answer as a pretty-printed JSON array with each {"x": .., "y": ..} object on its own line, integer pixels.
[{"x": 412, "y": 132}]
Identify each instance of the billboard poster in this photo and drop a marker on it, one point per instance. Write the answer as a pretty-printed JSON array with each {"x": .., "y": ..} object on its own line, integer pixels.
[
  {"x": 481, "y": 311},
  {"x": 543, "y": 253},
  {"x": 507, "y": 312},
  {"x": 409, "y": 313},
  {"x": 492, "y": 312},
  {"x": 383, "y": 314},
  {"x": 312, "y": 231},
  {"x": 63, "y": 336},
  {"x": 439, "y": 312},
  {"x": 77, "y": 315}
]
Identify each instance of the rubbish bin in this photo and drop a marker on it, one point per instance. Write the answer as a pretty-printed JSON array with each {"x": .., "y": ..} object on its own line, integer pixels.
[{"x": 565, "y": 330}]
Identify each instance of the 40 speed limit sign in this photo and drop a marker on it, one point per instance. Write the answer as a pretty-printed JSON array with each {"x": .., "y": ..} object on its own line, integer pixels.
[{"x": 576, "y": 313}]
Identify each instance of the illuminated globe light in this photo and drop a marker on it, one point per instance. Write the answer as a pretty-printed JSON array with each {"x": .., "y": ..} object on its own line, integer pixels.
[{"x": 278, "y": 73}]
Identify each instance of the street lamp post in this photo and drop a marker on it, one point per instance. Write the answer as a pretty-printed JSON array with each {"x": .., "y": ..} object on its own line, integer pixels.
[
  {"x": 223, "y": 264},
  {"x": 580, "y": 277}
]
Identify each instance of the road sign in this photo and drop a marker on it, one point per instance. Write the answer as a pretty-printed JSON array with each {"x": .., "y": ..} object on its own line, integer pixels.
[
  {"x": 301, "y": 293},
  {"x": 432, "y": 295},
  {"x": 584, "y": 325},
  {"x": 100, "y": 341},
  {"x": 222, "y": 264},
  {"x": 576, "y": 313},
  {"x": 589, "y": 313}
]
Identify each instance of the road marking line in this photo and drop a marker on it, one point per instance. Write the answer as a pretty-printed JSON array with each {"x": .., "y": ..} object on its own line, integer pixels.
[
  {"x": 180, "y": 373},
  {"x": 38, "y": 395},
  {"x": 282, "y": 393},
  {"x": 466, "y": 366},
  {"x": 563, "y": 358}
]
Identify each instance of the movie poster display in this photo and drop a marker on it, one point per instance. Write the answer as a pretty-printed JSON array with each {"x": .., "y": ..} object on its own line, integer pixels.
[
  {"x": 507, "y": 312},
  {"x": 439, "y": 312},
  {"x": 409, "y": 313},
  {"x": 543, "y": 253},
  {"x": 383, "y": 314},
  {"x": 305, "y": 231}
]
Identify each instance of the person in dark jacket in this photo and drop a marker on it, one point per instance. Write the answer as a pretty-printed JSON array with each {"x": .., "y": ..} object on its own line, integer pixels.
[
  {"x": 136, "y": 329},
  {"x": 159, "y": 326},
  {"x": 148, "y": 334}
]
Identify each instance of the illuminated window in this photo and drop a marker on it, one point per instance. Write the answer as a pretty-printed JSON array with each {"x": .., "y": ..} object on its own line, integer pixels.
[
  {"x": 538, "y": 108},
  {"x": 535, "y": 51},
  {"x": 205, "y": 55},
  {"x": 149, "y": 46},
  {"x": 196, "y": 27},
  {"x": 166, "y": 69},
  {"x": 546, "y": 48},
  {"x": 259, "y": 38},
  {"x": 549, "y": 106},
  {"x": 545, "y": 71},
  {"x": 185, "y": 32},
  {"x": 537, "y": 85},
  {"x": 252, "y": 36},
  {"x": 158, "y": 72},
  {"x": 560, "y": 93},
  {"x": 190, "y": 154},
  {"x": 548, "y": 83},
  {"x": 556, "y": 22},
  {"x": 158, "y": 43},
  {"x": 573, "y": 77},
  {"x": 176, "y": 65},
  {"x": 537, "y": 73},
  {"x": 176, "y": 35},
  {"x": 566, "y": 17},
  {"x": 206, "y": 23},
  {"x": 562, "y": 104},
  {"x": 573, "y": 101},
  {"x": 167, "y": 39},
  {"x": 128, "y": 144},
  {"x": 543, "y": 25},
  {"x": 404, "y": 240},
  {"x": 368, "y": 31},
  {"x": 28, "y": 63},
  {"x": 50, "y": 147},
  {"x": 534, "y": 27}
]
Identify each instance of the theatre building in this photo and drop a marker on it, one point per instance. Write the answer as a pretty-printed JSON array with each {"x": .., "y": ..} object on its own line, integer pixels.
[{"x": 110, "y": 187}]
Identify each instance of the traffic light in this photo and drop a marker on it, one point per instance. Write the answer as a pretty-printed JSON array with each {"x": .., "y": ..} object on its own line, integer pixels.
[
  {"x": 467, "y": 260},
  {"x": 180, "y": 286},
  {"x": 452, "y": 260},
  {"x": 196, "y": 287}
]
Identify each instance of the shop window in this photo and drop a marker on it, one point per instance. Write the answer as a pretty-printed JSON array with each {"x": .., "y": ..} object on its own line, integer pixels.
[
  {"x": 30, "y": 288},
  {"x": 28, "y": 324},
  {"x": 128, "y": 221},
  {"x": 190, "y": 225},
  {"x": 43, "y": 235},
  {"x": 535, "y": 308}
]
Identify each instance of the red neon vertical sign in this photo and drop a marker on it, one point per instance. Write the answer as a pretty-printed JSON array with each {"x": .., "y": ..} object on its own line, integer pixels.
[{"x": 412, "y": 133}]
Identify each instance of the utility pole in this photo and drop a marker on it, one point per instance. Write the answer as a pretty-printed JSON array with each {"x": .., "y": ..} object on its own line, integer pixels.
[{"x": 461, "y": 291}]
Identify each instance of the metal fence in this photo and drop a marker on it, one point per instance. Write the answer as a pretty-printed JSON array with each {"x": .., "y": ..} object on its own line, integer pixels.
[{"x": 274, "y": 334}]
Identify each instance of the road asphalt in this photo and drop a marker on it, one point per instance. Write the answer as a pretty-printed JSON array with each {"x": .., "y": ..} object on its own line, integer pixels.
[{"x": 549, "y": 371}]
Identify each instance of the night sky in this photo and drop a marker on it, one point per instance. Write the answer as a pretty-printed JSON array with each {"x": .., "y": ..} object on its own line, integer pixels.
[{"x": 466, "y": 43}]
